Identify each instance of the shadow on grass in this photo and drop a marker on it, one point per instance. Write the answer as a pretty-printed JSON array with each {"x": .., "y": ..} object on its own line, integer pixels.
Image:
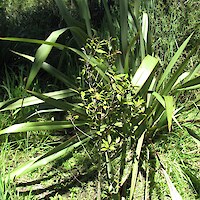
[
  {"x": 61, "y": 188},
  {"x": 59, "y": 182}
]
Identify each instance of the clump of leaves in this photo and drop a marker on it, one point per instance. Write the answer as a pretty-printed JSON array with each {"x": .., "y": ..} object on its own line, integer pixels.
[{"x": 111, "y": 106}]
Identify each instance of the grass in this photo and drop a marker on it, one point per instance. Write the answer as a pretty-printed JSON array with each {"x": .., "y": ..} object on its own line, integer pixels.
[
  {"x": 70, "y": 180},
  {"x": 178, "y": 151},
  {"x": 52, "y": 181},
  {"x": 73, "y": 179},
  {"x": 76, "y": 177}
]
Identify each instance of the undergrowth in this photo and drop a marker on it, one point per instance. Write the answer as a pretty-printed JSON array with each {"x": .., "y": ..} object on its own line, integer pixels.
[{"x": 76, "y": 178}]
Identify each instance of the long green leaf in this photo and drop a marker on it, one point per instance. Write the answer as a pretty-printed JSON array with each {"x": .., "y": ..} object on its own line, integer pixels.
[
  {"x": 193, "y": 72},
  {"x": 173, "y": 192},
  {"x": 90, "y": 59},
  {"x": 144, "y": 71},
  {"x": 149, "y": 85},
  {"x": 169, "y": 106},
  {"x": 123, "y": 6},
  {"x": 34, "y": 41},
  {"x": 145, "y": 27},
  {"x": 18, "y": 171},
  {"x": 135, "y": 165},
  {"x": 172, "y": 62},
  {"x": 54, "y": 154},
  {"x": 41, "y": 110},
  {"x": 29, "y": 101},
  {"x": 192, "y": 84},
  {"x": 176, "y": 75},
  {"x": 109, "y": 19},
  {"x": 41, "y": 55},
  {"x": 70, "y": 142},
  {"x": 159, "y": 98},
  {"x": 59, "y": 75},
  {"x": 39, "y": 126},
  {"x": 51, "y": 70},
  {"x": 194, "y": 181},
  {"x": 128, "y": 54},
  {"x": 142, "y": 47},
  {"x": 194, "y": 87},
  {"x": 70, "y": 21},
  {"x": 57, "y": 103},
  {"x": 181, "y": 78},
  {"x": 193, "y": 134},
  {"x": 85, "y": 14},
  {"x": 78, "y": 31},
  {"x": 57, "y": 155},
  {"x": 137, "y": 5},
  {"x": 94, "y": 62},
  {"x": 99, "y": 66},
  {"x": 4, "y": 104}
]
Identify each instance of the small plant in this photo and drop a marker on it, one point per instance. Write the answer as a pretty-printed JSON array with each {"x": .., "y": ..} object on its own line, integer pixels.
[{"x": 111, "y": 105}]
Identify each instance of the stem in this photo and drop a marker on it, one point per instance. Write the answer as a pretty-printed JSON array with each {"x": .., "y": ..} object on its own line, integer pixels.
[
  {"x": 135, "y": 165},
  {"x": 122, "y": 167},
  {"x": 99, "y": 172},
  {"x": 147, "y": 178}
]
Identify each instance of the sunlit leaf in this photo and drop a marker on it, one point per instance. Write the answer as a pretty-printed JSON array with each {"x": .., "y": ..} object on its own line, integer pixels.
[
  {"x": 29, "y": 101},
  {"x": 34, "y": 41},
  {"x": 57, "y": 103},
  {"x": 38, "y": 126},
  {"x": 159, "y": 98},
  {"x": 173, "y": 192},
  {"x": 145, "y": 26},
  {"x": 181, "y": 78},
  {"x": 109, "y": 139},
  {"x": 169, "y": 106},
  {"x": 195, "y": 71},
  {"x": 144, "y": 71},
  {"x": 176, "y": 75},
  {"x": 119, "y": 124}
]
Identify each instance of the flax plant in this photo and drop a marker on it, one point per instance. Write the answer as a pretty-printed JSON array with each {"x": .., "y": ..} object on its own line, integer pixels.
[{"x": 120, "y": 77}]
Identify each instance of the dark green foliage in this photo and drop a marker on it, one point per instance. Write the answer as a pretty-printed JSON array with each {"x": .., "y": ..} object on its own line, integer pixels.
[
  {"x": 32, "y": 18},
  {"x": 29, "y": 19}
]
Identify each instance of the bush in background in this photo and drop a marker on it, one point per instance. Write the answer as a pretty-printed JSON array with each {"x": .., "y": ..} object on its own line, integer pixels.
[
  {"x": 171, "y": 22},
  {"x": 31, "y": 18}
]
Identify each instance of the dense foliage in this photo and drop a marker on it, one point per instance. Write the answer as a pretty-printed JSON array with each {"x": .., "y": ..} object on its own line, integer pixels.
[{"x": 122, "y": 101}]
